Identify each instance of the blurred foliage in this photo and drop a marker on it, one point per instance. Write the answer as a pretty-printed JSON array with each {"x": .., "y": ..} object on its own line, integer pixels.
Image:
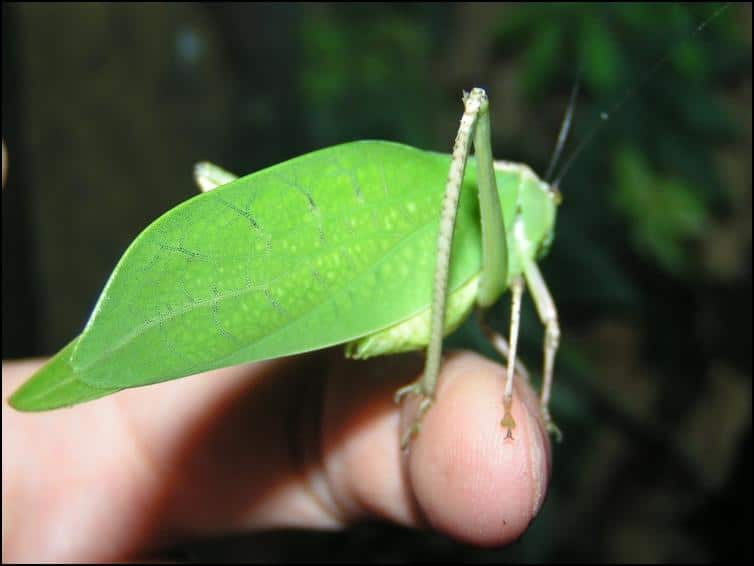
[
  {"x": 650, "y": 268},
  {"x": 339, "y": 79},
  {"x": 662, "y": 213}
]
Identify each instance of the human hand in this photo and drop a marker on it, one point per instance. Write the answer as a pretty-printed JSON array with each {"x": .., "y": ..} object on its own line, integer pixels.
[{"x": 309, "y": 441}]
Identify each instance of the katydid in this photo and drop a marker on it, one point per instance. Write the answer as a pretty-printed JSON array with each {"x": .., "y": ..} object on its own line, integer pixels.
[{"x": 339, "y": 246}]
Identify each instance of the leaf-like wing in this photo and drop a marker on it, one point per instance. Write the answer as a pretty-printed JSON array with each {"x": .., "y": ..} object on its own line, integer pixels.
[
  {"x": 315, "y": 251},
  {"x": 56, "y": 384}
]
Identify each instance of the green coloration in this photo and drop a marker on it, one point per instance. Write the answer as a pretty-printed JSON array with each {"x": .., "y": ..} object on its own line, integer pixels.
[
  {"x": 414, "y": 332},
  {"x": 332, "y": 247},
  {"x": 665, "y": 212},
  {"x": 57, "y": 381}
]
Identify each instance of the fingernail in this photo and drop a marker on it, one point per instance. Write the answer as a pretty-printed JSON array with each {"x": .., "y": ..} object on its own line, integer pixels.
[{"x": 539, "y": 450}]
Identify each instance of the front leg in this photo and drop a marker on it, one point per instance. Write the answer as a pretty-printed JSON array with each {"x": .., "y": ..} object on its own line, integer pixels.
[
  {"x": 517, "y": 289},
  {"x": 548, "y": 314},
  {"x": 500, "y": 344}
]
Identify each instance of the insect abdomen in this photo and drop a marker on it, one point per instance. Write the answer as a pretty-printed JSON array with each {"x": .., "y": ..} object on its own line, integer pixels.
[{"x": 413, "y": 333}]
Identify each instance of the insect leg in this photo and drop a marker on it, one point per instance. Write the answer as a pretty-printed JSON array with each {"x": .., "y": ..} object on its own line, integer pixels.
[
  {"x": 517, "y": 288},
  {"x": 500, "y": 344},
  {"x": 548, "y": 314},
  {"x": 210, "y": 176}
]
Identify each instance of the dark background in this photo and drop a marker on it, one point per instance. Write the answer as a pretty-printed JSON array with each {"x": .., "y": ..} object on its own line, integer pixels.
[{"x": 106, "y": 107}]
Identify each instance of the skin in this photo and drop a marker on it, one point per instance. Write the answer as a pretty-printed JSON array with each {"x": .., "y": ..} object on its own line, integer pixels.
[{"x": 127, "y": 475}]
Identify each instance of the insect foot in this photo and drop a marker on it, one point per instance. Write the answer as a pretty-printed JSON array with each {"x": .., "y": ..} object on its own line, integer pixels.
[
  {"x": 550, "y": 426},
  {"x": 424, "y": 405},
  {"x": 508, "y": 422}
]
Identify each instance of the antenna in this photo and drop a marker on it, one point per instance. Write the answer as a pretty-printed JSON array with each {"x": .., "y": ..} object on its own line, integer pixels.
[
  {"x": 605, "y": 116},
  {"x": 564, "y": 129}
]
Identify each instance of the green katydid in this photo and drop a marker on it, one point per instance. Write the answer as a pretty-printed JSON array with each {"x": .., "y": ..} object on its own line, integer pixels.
[{"x": 315, "y": 252}]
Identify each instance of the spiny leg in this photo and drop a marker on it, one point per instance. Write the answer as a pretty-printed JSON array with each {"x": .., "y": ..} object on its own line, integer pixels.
[
  {"x": 548, "y": 314},
  {"x": 500, "y": 344},
  {"x": 425, "y": 386},
  {"x": 475, "y": 121},
  {"x": 517, "y": 288}
]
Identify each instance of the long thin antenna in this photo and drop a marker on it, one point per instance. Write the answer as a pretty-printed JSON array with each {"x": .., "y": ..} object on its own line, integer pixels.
[
  {"x": 605, "y": 116},
  {"x": 564, "y": 129}
]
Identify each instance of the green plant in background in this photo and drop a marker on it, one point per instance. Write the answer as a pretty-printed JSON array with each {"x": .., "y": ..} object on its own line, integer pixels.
[
  {"x": 358, "y": 70},
  {"x": 663, "y": 213},
  {"x": 617, "y": 53}
]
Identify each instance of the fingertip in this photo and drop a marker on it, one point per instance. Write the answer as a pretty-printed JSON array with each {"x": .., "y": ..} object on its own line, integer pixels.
[{"x": 469, "y": 480}]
